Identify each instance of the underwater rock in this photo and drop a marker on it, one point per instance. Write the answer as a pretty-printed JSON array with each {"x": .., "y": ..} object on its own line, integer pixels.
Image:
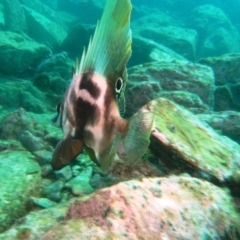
[
  {"x": 181, "y": 40},
  {"x": 64, "y": 174},
  {"x": 150, "y": 51},
  {"x": 81, "y": 188},
  {"x": 226, "y": 70},
  {"x": 43, "y": 202},
  {"x": 223, "y": 99},
  {"x": 43, "y": 30},
  {"x": 40, "y": 7},
  {"x": 77, "y": 38},
  {"x": 152, "y": 19},
  {"x": 57, "y": 65},
  {"x": 30, "y": 142},
  {"x": 227, "y": 123},
  {"x": 84, "y": 176},
  {"x": 43, "y": 157},
  {"x": 189, "y": 100},
  {"x": 19, "y": 179},
  {"x": 217, "y": 35},
  {"x": 170, "y": 208},
  {"x": 31, "y": 103},
  {"x": 181, "y": 141},
  {"x": 87, "y": 11},
  {"x": 206, "y": 18},
  {"x": 15, "y": 20},
  {"x": 53, "y": 190},
  {"x": 17, "y": 93},
  {"x": 18, "y": 54},
  {"x": 15, "y": 122},
  {"x": 152, "y": 80},
  {"x": 147, "y": 49}
]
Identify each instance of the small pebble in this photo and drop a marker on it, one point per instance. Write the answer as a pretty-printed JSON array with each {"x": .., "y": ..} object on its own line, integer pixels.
[
  {"x": 42, "y": 202},
  {"x": 82, "y": 188},
  {"x": 64, "y": 173}
]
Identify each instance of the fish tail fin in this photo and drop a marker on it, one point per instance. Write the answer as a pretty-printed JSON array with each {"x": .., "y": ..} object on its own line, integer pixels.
[
  {"x": 132, "y": 147},
  {"x": 110, "y": 47}
]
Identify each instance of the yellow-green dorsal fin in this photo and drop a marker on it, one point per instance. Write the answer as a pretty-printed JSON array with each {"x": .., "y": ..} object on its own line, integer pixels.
[{"x": 110, "y": 48}]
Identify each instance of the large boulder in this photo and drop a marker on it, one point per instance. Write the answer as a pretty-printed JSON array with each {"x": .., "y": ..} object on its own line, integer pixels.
[
  {"x": 77, "y": 38},
  {"x": 217, "y": 35},
  {"x": 145, "y": 51},
  {"x": 191, "y": 85},
  {"x": 149, "y": 208},
  {"x": 226, "y": 123},
  {"x": 43, "y": 30},
  {"x": 19, "y": 54},
  {"x": 181, "y": 141},
  {"x": 181, "y": 40},
  {"x": 14, "y": 16},
  {"x": 17, "y": 93},
  {"x": 20, "y": 179},
  {"x": 226, "y": 70}
]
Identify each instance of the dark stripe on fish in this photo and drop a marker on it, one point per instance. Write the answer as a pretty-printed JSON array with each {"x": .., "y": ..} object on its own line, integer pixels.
[
  {"x": 85, "y": 113},
  {"x": 86, "y": 83}
]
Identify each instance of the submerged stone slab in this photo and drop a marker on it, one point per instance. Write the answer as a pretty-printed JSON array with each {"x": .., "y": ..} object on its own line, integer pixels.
[
  {"x": 44, "y": 30},
  {"x": 226, "y": 68},
  {"x": 179, "y": 139},
  {"x": 181, "y": 40},
  {"x": 19, "y": 180},
  {"x": 191, "y": 85},
  {"x": 18, "y": 54},
  {"x": 149, "y": 208},
  {"x": 227, "y": 123}
]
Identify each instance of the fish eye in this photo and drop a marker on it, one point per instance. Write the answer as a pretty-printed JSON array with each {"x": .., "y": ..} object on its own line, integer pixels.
[{"x": 119, "y": 85}]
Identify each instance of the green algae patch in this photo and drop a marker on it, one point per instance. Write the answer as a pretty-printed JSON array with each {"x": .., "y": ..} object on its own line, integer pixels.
[
  {"x": 179, "y": 138},
  {"x": 19, "y": 180}
]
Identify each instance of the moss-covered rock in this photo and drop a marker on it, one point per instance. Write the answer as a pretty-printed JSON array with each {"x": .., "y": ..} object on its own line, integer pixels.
[
  {"x": 19, "y": 180},
  {"x": 226, "y": 68},
  {"x": 43, "y": 30},
  {"x": 15, "y": 20},
  {"x": 223, "y": 99},
  {"x": 145, "y": 51},
  {"x": 182, "y": 78},
  {"x": 226, "y": 122},
  {"x": 18, "y": 54},
  {"x": 217, "y": 35},
  {"x": 181, "y": 40},
  {"x": 172, "y": 208},
  {"x": 181, "y": 141}
]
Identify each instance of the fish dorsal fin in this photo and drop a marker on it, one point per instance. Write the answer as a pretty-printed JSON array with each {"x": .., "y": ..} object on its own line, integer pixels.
[{"x": 110, "y": 48}]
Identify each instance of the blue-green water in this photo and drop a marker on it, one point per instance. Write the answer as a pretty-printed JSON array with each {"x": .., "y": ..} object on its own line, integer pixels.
[{"x": 186, "y": 185}]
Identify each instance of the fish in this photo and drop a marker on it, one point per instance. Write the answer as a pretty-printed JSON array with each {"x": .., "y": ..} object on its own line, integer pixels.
[{"x": 91, "y": 114}]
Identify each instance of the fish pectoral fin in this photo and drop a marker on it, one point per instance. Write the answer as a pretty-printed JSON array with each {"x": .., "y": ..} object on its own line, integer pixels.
[
  {"x": 134, "y": 145},
  {"x": 66, "y": 151}
]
